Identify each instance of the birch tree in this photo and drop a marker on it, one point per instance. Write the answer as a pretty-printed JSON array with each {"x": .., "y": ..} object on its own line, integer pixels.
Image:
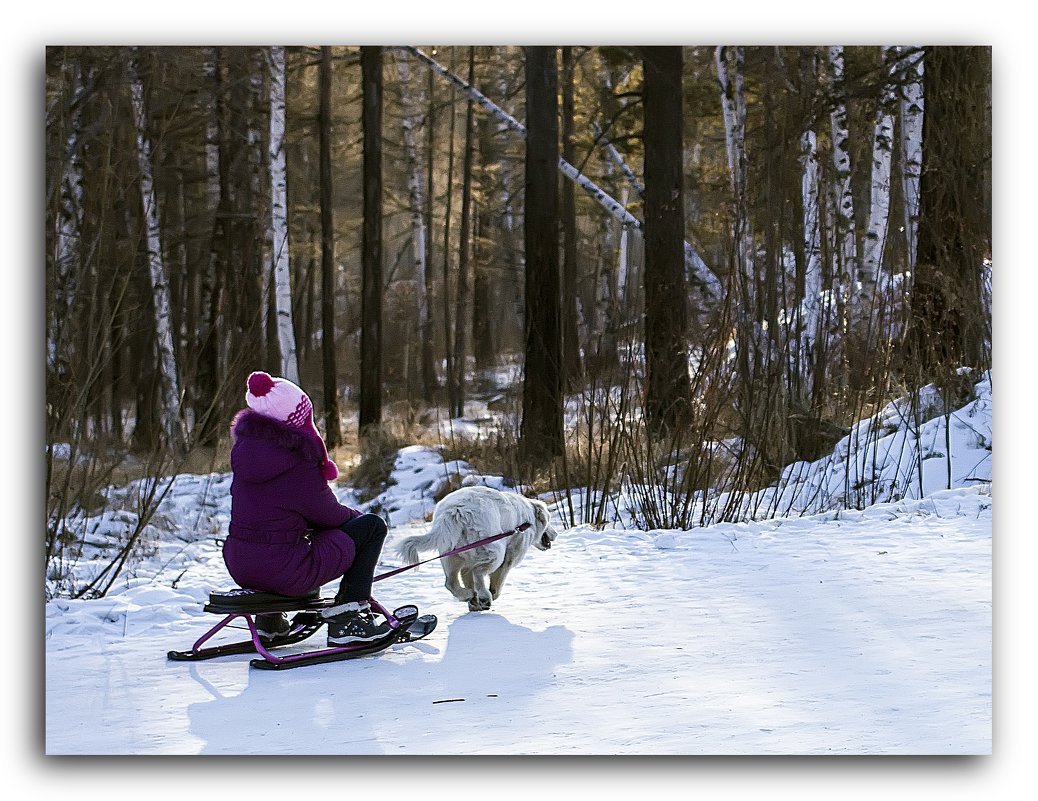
[
  {"x": 809, "y": 314},
  {"x": 172, "y": 421},
  {"x": 416, "y": 200},
  {"x": 911, "y": 108},
  {"x": 879, "y": 195},
  {"x": 67, "y": 256},
  {"x": 729, "y": 62},
  {"x": 279, "y": 217},
  {"x": 845, "y": 251}
]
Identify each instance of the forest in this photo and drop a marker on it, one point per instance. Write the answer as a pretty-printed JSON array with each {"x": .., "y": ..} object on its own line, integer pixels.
[{"x": 675, "y": 270}]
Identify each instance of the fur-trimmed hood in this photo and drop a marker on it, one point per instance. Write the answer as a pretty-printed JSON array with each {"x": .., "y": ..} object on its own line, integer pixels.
[{"x": 264, "y": 448}]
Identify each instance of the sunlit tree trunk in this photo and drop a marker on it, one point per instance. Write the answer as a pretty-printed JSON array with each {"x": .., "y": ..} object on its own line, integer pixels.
[
  {"x": 172, "y": 421},
  {"x": 845, "y": 250},
  {"x": 279, "y": 217},
  {"x": 809, "y": 321},
  {"x": 416, "y": 199},
  {"x": 879, "y": 204},
  {"x": 911, "y": 148}
]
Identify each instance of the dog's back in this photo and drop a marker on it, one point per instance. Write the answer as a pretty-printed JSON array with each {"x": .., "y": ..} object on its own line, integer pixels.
[{"x": 464, "y": 516}]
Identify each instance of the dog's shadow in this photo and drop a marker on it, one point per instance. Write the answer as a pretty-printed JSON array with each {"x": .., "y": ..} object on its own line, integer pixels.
[{"x": 488, "y": 655}]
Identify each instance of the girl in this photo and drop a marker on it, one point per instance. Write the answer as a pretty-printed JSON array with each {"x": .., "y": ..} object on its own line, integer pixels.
[{"x": 288, "y": 533}]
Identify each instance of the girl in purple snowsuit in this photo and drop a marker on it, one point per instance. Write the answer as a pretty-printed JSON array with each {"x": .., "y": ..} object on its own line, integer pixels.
[{"x": 288, "y": 533}]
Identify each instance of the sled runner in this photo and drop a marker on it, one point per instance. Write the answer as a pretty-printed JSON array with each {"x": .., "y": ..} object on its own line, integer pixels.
[{"x": 405, "y": 623}]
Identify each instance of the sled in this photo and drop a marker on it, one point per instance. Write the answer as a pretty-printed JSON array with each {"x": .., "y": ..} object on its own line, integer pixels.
[{"x": 405, "y": 623}]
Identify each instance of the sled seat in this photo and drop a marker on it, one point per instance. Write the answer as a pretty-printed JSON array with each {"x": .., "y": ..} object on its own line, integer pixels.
[{"x": 243, "y": 601}]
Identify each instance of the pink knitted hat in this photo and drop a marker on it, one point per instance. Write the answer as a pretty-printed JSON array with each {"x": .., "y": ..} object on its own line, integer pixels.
[{"x": 280, "y": 399}]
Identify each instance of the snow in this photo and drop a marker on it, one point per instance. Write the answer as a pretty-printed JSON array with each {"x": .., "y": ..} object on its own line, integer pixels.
[{"x": 841, "y": 631}]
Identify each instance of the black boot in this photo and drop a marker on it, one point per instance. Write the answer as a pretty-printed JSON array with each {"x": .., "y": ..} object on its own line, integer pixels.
[
  {"x": 273, "y": 624},
  {"x": 352, "y": 623}
]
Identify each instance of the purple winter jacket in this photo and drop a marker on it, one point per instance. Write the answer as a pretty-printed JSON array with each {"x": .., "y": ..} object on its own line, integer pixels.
[{"x": 283, "y": 535}]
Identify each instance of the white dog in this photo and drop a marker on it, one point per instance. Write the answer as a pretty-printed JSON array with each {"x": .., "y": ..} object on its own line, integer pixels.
[{"x": 470, "y": 514}]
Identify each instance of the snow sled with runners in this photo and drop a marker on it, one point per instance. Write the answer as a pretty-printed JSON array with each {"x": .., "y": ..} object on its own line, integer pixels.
[{"x": 406, "y": 625}]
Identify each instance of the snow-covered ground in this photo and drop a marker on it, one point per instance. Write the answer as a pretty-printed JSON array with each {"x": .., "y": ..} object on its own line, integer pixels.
[{"x": 843, "y": 632}]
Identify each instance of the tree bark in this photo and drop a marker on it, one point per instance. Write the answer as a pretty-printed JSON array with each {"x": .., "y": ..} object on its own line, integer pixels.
[
  {"x": 461, "y": 308},
  {"x": 172, "y": 421},
  {"x": 845, "y": 252},
  {"x": 809, "y": 317},
  {"x": 416, "y": 199},
  {"x": 879, "y": 196},
  {"x": 332, "y": 426},
  {"x": 279, "y": 217},
  {"x": 541, "y": 429},
  {"x": 207, "y": 379},
  {"x": 949, "y": 327},
  {"x": 666, "y": 305},
  {"x": 370, "y": 412},
  {"x": 448, "y": 338},
  {"x": 570, "y": 339},
  {"x": 911, "y": 149}
]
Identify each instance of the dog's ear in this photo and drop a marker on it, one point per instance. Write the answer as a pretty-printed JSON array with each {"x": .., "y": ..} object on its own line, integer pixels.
[{"x": 540, "y": 510}]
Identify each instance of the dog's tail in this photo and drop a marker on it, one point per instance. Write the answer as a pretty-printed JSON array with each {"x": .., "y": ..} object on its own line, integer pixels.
[{"x": 438, "y": 539}]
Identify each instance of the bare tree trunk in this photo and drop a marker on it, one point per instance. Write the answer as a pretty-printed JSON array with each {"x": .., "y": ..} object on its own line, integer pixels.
[
  {"x": 541, "y": 428},
  {"x": 418, "y": 232},
  {"x": 949, "y": 326},
  {"x": 279, "y": 217},
  {"x": 668, "y": 390},
  {"x": 172, "y": 421},
  {"x": 332, "y": 426},
  {"x": 570, "y": 339},
  {"x": 845, "y": 252},
  {"x": 733, "y": 102},
  {"x": 911, "y": 150},
  {"x": 809, "y": 315},
  {"x": 457, "y": 388},
  {"x": 448, "y": 338},
  {"x": 371, "y": 247},
  {"x": 68, "y": 257},
  {"x": 207, "y": 329},
  {"x": 879, "y": 205}
]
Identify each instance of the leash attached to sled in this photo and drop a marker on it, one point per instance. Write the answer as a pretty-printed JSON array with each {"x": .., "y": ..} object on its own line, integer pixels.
[{"x": 459, "y": 549}]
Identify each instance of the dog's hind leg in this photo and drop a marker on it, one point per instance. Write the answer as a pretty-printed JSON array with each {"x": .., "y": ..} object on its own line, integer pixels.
[
  {"x": 452, "y": 569},
  {"x": 481, "y": 596}
]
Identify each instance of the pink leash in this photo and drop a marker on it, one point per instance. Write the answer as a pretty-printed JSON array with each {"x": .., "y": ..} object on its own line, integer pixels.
[{"x": 453, "y": 551}]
